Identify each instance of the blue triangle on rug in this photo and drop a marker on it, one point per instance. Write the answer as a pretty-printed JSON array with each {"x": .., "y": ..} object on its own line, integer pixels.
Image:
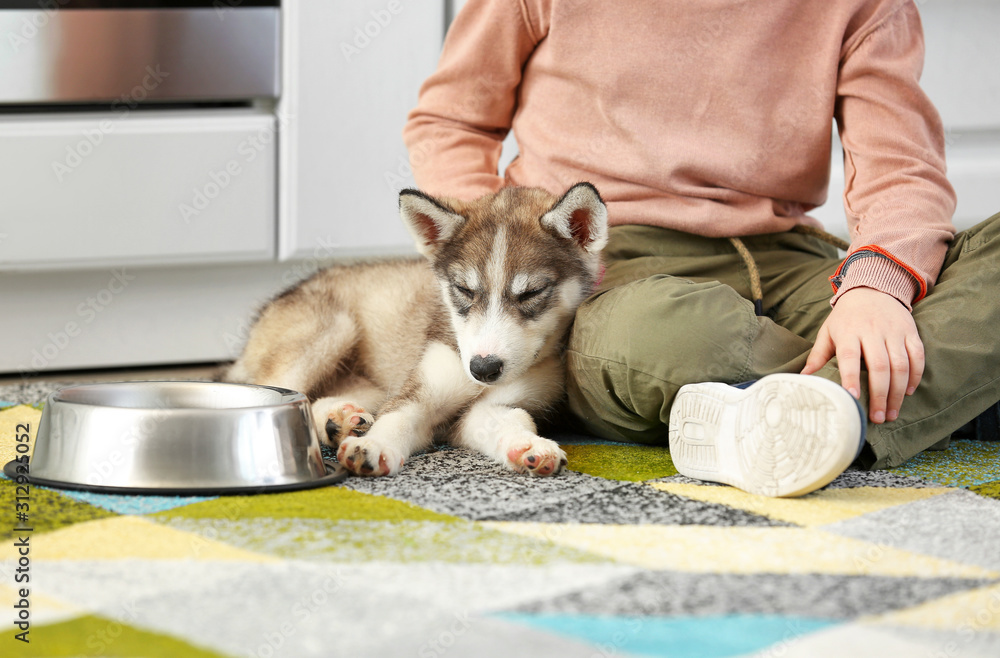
[{"x": 721, "y": 636}]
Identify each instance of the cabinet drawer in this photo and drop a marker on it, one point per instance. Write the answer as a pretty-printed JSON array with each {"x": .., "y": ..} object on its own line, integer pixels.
[{"x": 93, "y": 190}]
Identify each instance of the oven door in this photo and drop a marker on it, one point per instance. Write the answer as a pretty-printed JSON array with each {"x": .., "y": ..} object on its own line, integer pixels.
[{"x": 134, "y": 51}]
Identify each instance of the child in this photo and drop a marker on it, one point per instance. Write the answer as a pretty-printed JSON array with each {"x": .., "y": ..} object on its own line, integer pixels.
[{"x": 706, "y": 125}]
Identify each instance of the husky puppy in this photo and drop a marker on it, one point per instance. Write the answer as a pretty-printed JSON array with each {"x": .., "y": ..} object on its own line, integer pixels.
[{"x": 466, "y": 342}]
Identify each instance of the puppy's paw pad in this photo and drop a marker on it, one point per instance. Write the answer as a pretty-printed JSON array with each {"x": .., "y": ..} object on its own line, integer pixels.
[
  {"x": 346, "y": 420},
  {"x": 540, "y": 457},
  {"x": 363, "y": 456}
]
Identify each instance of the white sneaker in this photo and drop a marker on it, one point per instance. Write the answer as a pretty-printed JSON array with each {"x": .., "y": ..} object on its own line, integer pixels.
[{"x": 783, "y": 435}]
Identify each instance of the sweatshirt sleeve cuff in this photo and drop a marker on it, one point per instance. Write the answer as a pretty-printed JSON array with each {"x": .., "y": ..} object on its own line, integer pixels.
[{"x": 873, "y": 267}]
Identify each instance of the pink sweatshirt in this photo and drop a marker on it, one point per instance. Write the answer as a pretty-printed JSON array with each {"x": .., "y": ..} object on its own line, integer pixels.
[{"x": 707, "y": 116}]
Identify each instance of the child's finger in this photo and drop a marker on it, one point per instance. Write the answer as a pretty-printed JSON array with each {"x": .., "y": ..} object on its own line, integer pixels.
[
  {"x": 915, "y": 351},
  {"x": 879, "y": 377},
  {"x": 899, "y": 379},
  {"x": 823, "y": 350},
  {"x": 849, "y": 364}
]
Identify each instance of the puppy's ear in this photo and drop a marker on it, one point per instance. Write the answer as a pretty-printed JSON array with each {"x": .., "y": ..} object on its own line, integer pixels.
[
  {"x": 580, "y": 215},
  {"x": 429, "y": 221}
]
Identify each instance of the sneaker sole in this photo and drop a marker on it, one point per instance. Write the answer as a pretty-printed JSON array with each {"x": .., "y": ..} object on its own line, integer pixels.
[{"x": 785, "y": 435}]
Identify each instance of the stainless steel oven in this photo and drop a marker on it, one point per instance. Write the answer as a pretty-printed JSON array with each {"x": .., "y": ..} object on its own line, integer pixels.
[
  {"x": 138, "y": 51},
  {"x": 137, "y": 132}
]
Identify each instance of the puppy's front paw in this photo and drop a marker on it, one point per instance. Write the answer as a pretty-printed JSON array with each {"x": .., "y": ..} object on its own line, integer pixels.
[
  {"x": 337, "y": 420},
  {"x": 364, "y": 456},
  {"x": 536, "y": 456}
]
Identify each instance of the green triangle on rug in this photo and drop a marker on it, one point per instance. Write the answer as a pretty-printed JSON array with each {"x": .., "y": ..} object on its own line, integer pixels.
[
  {"x": 331, "y": 503},
  {"x": 965, "y": 463},
  {"x": 631, "y": 463},
  {"x": 990, "y": 489},
  {"x": 106, "y": 637},
  {"x": 50, "y": 510}
]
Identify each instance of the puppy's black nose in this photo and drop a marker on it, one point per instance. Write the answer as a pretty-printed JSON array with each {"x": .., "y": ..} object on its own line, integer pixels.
[{"x": 486, "y": 369}]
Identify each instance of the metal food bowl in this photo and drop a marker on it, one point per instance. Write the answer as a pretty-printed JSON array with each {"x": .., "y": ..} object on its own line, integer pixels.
[{"x": 176, "y": 438}]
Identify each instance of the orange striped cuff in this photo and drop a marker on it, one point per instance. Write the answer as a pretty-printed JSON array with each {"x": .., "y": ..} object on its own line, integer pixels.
[{"x": 874, "y": 267}]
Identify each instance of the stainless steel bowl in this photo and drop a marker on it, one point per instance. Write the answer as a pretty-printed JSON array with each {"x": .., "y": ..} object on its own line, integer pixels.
[{"x": 176, "y": 438}]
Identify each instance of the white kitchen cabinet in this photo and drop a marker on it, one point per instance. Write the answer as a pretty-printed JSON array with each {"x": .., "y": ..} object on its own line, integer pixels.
[
  {"x": 104, "y": 269},
  {"x": 123, "y": 315},
  {"x": 94, "y": 189},
  {"x": 351, "y": 74}
]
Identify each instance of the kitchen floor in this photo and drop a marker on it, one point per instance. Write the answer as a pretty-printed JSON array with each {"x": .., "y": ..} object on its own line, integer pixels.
[{"x": 182, "y": 371}]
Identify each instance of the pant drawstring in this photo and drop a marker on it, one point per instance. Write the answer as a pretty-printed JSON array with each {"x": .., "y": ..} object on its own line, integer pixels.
[{"x": 755, "y": 288}]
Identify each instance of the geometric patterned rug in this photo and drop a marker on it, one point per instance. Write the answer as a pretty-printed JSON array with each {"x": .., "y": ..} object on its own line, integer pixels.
[{"x": 619, "y": 556}]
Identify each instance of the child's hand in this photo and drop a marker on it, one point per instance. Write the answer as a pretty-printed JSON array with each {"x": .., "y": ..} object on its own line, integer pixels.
[{"x": 871, "y": 324}]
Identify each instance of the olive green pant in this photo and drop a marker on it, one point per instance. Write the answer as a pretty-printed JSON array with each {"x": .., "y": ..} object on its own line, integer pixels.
[{"x": 675, "y": 309}]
